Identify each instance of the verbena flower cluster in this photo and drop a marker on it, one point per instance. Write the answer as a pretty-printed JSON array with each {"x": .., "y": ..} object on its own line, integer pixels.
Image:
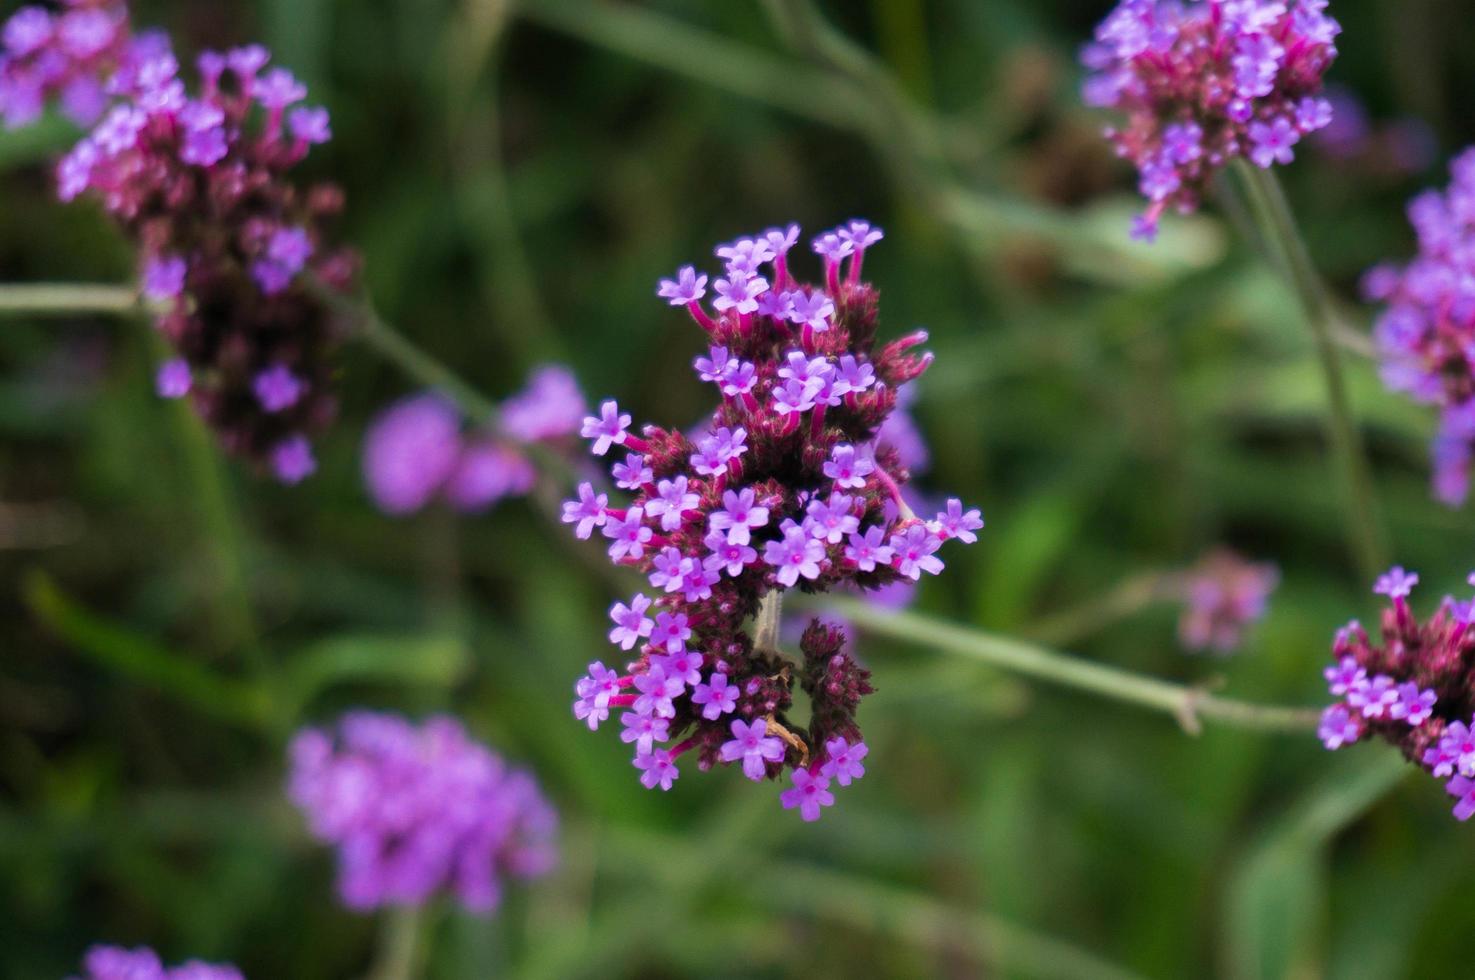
[
  {"x": 415, "y": 452},
  {"x": 1223, "y": 594},
  {"x": 1426, "y": 336},
  {"x": 417, "y": 811},
  {"x": 1410, "y": 687},
  {"x": 230, "y": 249},
  {"x": 1202, "y": 82},
  {"x": 142, "y": 963},
  {"x": 785, "y": 487},
  {"x": 66, "y": 56}
]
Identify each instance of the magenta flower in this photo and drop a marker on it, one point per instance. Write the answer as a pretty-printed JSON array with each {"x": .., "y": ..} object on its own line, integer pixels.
[
  {"x": 1338, "y": 727},
  {"x": 292, "y": 460},
  {"x": 419, "y": 811},
  {"x": 809, "y": 793},
  {"x": 163, "y": 278},
  {"x": 795, "y": 481},
  {"x": 644, "y": 731},
  {"x": 277, "y": 389},
  {"x": 549, "y": 408},
  {"x": 409, "y": 452},
  {"x": 173, "y": 379},
  {"x": 1396, "y": 583},
  {"x": 1223, "y": 594},
  {"x": 142, "y": 963},
  {"x": 1201, "y": 82},
  {"x": 754, "y": 746},
  {"x": 1463, "y": 789}
]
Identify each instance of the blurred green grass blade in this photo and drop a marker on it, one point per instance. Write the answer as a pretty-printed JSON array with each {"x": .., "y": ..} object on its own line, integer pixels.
[
  {"x": 439, "y": 661},
  {"x": 47, "y": 137},
  {"x": 143, "y": 660},
  {"x": 1277, "y": 896}
]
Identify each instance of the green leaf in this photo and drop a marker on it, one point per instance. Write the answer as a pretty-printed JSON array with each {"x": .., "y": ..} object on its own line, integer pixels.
[{"x": 438, "y": 660}]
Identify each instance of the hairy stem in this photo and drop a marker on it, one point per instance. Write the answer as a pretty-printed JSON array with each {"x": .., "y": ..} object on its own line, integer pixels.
[
  {"x": 1278, "y": 227},
  {"x": 766, "y": 624},
  {"x": 1189, "y": 705},
  {"x": 66, "y": 299},
  {"x": 400, "y": 953}
]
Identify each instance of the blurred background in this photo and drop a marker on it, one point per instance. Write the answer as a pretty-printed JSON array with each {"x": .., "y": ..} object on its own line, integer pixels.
[{"x": 519, "y": 176}]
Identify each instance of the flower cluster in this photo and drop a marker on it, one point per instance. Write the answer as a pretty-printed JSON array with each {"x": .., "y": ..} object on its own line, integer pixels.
[
  {"x": 67, "y": 56},
  {"x": 417, "y": 811},
  {"x": 231, "y": 251},
  {"x": 1223, "y": 593},
  {"x": 1426, "y": 336},
  {"x": 788, "y": 486},
  {"x": 1412, "y": 689},
  {"x": 1205, "y": 81},
  {"x": 415, "y": 452},
  {"x": 142, "y": 963}
]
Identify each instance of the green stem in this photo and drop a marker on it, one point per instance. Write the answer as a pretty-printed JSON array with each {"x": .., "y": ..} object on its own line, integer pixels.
[
  {"x": 1278, "y": 227},
  {"x": 401, "y": 936},
  {"x": 1189, "y": 705},
  {"x": 66, "y": 299},
  {"x": 1077, "y": 622}
]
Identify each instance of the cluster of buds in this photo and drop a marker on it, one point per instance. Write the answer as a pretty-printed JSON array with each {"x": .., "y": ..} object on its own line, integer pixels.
[
  {"x": 66, "y": 56},
  {"x": 1426, "y": 336},
  {"x": 1412, "y": 690},
  {"x": 1222, "y": 595},
  {"x": 233, "y": 255},
  {"x": 787, "y": 486},
  {"x": 419, "y": 811},
  {"x": 415, "y": 452},
  {"x": 142, "y": 963},
  {"x": 1204, "y": 82}
]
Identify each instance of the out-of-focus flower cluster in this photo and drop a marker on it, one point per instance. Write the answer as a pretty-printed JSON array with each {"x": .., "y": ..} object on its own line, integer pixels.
[
  {"x": 142, "y": 963},
  {"x": 231, "y": 251},
  {"x": 1223, "y": 594},
  {"x": 1202, "y": 82},
  {"x": 1426, "y": 335},
  {"x": 417, "y": 811},
  {"x": 415, "y": 451},
  {"x": 1390, "y": 148},
  {"x": 789, "y": 485},
  {"x": 1410, "y": 686},
  {"x": 66, "y": 56}
]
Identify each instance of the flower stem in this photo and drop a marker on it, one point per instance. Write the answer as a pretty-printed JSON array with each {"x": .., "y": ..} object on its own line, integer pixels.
[
  {"x": 66, "y": 299},
  {"x": 765, "y": 628},
  {"x": 1189, "y": 705},
  {"x": 400, "y": 952},
  {"x": 1278, "y": 227}
]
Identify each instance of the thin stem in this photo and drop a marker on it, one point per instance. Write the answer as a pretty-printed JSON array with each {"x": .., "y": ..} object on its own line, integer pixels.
[
  {"x": 1278, "y": 227},
  {"x": 400, "y": 944},
  {"x": 1132, "y": 596},
  {"x": 1189, "y": 705},
  {"x": 66, "y": 299}
]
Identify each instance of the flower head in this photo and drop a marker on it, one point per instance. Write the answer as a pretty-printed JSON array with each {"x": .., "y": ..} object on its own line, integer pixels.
[
  {"x": 142, "y": 963},
  {"x": 1201, "y": 82},
  {"x": 1223, "y": 594},
  {"x": 419, "y": 811},
  {"x": 794, "y": 482}
]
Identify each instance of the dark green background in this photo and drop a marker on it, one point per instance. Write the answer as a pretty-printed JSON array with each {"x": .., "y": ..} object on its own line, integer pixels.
[{"x": 518, "y": 180}]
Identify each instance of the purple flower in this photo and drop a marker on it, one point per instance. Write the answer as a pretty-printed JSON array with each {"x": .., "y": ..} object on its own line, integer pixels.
[
  {"x": 914, "y": 549},
  {"x": 658, "y": 692},
  {"x": 849, "y": 468},
  {"x": 163, "y": 277},
  {"x": 668, "y": 568},
  {"x": 310, "y": 125},
  {"x": 588, "y": 512},
  {"x": 1345, "y": 677},
  {"x": 842, "y": 761},
  {"x": 716, "y": 451},
  {"x": 1413, "y": 705},
  {"x": 292, "y": 460},
  {"x": 658, "y": 769},
  {"x": 671, "y": 631},
  {"x": 631, "y": 623},
  {"x": 809, "y": 793},
  {"x": 1272, "y": 142},
  {"x": 860, "y": 234},
  {"x": 419, "y": 811},
  {"x": 740, "y": 513},
  {"x": 644, "y": 731},
  {"x": 716, "y": 697},
  {"x": 606, "y": 430},
  {"x": 794, "y": 397},
  {"x": 832, "y": 520},
  {"x": 1396, "y": 583},
  {"x": 1458, "y": 742},
  {"x": 633, "y": 473},
  {"x": 277, "y": 388},
  {"x": 687, "y": 287},
  {"x": 487, "y": 472},
  {"x": 715, "y": 367},
  {"x": 1256, "y": 62},
  {"x": 278, "y": 89},
  {"x": 739, "y": 291},
  {"x": 684, "y": 665},
  {"x": 832, "y": 247},
  {"x": 629, "y": 534},
  {"x": 142, "y": 963},
  {"x": 1183, "y": 142},
  {"x": 173, "y": 379},
  {"x": 697, "y": 580},
  {"x": 740, "y": 380},
  {"x": 593, "y": 693},
  {"x": 955, "y": 523},
  {"x": 731, "y": 557},
  {"x": 550, "y": 407},
  {"x": 751, "y": 743},
  {"x": 672, "y": 500},
  {"x": 27, "y": 31},
  {"x": 798, "y": 554},
  {"x": 869, "y": 550},
  {"x": 1376, "y": 699},
  {"x": 1313, "y": 114},
  {"x": 409, "y": 452},
  {"x": 811, "y": 311},
  {"x": 287, "y": 251},
  {"x": 1338, "y": 727}
]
